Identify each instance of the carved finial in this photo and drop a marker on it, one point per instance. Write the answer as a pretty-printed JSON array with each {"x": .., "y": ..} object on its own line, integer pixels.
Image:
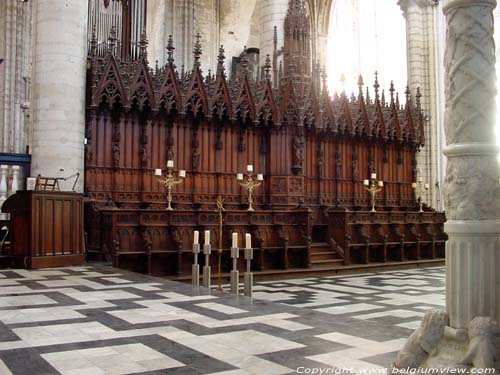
[
  {"x": 280, "y": 71},
  {"x": 244, "y": 61},
  {"x": 360, "y": 85},
  {"x": 376, "y": 86},
  {"x": 275, "y": 39},
  {"x": 391, "y": 90},
  {"x": 170, "y": 50},
  {"x": 267, "y": 68},
  {"x": 157, "y": 68},
  {"x": 342, "y": 81},
  {"x": 197, "y": 52},
  {"x": 367, "y": 96},
  {"x": 407, "y": 93},
  {"x": 220, "y": 61},
  {"x": 93, "y": 41},
  {"x": 382, "y": 100},
  {"x": 324, "y": 78},
  {"x": 418, "y": 96},
  {"x": 397, "y": 100},
  {"x": 143, "y": 45},
  {"x": 112, "y": 41}
]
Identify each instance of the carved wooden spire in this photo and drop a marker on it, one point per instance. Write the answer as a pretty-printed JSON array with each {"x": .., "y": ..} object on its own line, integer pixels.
[
  {"x": 297, "y": 38},
  {"x": 391, "y": 90},
  {"x": 267, "y": 68},
  {"x": 220, "y": 61},
  {"x": 112, "y": 40},
  {"x": 143, "y": 46},
  {"x": 170, "y": 51},
  {"x": 197, "y": 52},
  {"x": 376, "y": 86}
]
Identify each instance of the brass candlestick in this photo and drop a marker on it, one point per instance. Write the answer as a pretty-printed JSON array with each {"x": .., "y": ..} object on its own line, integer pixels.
[
  {"x": 250, "y": 184},
  {"x": 219, "y": 210},
  {"x": 420, "y": 189},
  {"x": 373, "y": 187},
  {"x": 169, "y": 181}
]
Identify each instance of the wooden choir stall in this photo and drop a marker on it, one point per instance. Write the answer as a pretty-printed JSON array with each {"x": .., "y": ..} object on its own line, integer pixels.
[{"x": 314, "y": 151}]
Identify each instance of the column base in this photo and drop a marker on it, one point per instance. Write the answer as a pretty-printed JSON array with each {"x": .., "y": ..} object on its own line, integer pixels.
[
  {"x": 235, "y": 275},
  {"x": 248, "y": 279},
  {"x": 206, "y": 276},
  {"x": 195, "y": 275},
  {"x": 435, "y": 345},
  {"x": 472, "y": 276}
]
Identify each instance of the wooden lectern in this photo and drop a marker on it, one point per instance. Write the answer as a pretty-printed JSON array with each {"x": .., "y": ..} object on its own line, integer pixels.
[{"x": 46, "y": 228}]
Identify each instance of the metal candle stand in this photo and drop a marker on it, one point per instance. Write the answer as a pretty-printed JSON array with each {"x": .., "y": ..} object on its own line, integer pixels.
[
  {"x": 195, "y": 269},
  {"x": 248, "y": 276},
  {"x": 207, "y": 249},
  {"x": 235, "y": 275}
]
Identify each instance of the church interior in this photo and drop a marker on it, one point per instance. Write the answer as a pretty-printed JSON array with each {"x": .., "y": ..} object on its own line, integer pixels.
[{"x": 249, "y": 187}]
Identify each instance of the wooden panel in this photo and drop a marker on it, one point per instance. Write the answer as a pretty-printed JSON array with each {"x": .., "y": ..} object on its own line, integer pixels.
[{"x": 47, "y": 227}]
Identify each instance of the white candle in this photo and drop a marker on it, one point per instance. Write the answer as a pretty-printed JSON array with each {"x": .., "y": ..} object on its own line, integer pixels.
[
  {"x": 157, "y": 172},
  {"x": 414, "y": 185},
  {"x": 365, "y": 182},
  {"x": 249, "y": 168},
  {"x": 239, "y": 176},
  {"x": 260, "y": 177},
  {"x": 420, "y": 179},
  {"x": 84, "y": 141},
  {"x": 207, "y": 237},
  {"x": 374, "y": 176},
  {"x": 427, "y": 186},
  {"x": 196, "y": 239},
  {"x": 170, "y": 164},
  {"x": 248, "y": 241},
  {"x": 235, "y": 239},
  {"x": 381, "y": 183},
  {"x": 182, "y": 173}
]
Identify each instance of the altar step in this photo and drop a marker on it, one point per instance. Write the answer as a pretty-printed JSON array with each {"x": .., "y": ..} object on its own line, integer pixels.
[
  {"x": 338, "y": 269},
  {"x": 323, "y": 256}
]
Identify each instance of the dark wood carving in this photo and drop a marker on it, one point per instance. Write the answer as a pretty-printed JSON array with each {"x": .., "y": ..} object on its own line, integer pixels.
[{"x": 314, "y": 151}]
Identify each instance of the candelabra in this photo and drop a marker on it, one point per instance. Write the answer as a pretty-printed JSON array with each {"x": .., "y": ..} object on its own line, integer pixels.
[
  {"x": 169, "y": 181},
  {"x": 250, "y": 184},
  {"x": 373, "y": 187},
  {"x": 420, "y": 188},
  {"x": 219, "y": 210}
]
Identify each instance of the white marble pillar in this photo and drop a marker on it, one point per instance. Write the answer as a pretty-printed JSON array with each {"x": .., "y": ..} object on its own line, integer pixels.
[
  {"x": 58, "y": 91},
  {"x": 472, "y": 188}
]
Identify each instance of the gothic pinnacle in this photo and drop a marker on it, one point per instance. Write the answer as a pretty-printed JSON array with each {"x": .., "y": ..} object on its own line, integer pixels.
[{"x": 170, "y": 50}]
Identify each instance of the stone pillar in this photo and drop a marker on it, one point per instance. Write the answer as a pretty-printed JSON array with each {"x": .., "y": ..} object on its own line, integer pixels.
[
  {"x": 58, "y": 91},
  {"x": 472, "y": 187},
  {"x": 272, "y": 13},
  {"x": 425, "y": 44},
  {"x": 15, "y": 48}
]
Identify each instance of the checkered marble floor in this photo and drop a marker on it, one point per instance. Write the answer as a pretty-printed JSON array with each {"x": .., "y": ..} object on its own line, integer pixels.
[{"x": 98, "y": 320}]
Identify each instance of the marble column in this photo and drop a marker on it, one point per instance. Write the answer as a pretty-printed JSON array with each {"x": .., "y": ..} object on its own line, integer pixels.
[
  {"x": 58, "y": 91},
  {"x": 472, "y": 186}
]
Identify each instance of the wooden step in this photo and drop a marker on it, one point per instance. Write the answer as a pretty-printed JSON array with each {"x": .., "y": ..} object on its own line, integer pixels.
[
  {"x": 326, "y": 263},
  {"x": 324, "y": 255}
]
